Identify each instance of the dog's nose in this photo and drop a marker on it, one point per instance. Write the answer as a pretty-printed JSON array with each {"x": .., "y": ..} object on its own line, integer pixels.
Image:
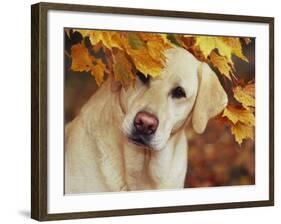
[{"x": 146, "y": 123}]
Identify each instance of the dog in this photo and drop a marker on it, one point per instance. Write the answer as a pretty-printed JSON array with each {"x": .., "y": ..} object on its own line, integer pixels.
[{"x": 134, "y": 139}]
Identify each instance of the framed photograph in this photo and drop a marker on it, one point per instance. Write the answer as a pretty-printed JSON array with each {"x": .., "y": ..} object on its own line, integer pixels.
[{"x": 139, "y": 111}]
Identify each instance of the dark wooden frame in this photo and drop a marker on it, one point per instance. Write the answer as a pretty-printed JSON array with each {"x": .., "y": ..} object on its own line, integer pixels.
[{"x": 39, "y": 110}]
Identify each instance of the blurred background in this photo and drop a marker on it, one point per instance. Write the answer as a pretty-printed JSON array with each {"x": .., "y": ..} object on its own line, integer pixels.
[{"x": 214, "y": 158}]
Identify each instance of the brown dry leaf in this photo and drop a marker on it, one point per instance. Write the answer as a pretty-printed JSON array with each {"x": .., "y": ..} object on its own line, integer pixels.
[
  {"x": 247, "y": 40},
  {"x": 221, "y": 63},
  {"x": 81, "y": 59},
  {"x": 122, "y": 68},
  {"x": 97, "y": 47},
  {"x": 188, "y": 42},
  {"x": 235, "y": 115},
  {"x": 245, "y": 95},
  {"x": 241, "y": 132}
]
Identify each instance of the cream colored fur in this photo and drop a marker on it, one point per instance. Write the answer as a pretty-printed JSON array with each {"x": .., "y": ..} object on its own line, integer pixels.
[{"x": 100, "y": 158}]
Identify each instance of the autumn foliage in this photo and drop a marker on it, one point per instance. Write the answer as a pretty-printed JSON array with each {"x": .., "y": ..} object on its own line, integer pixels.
[{"x": 121, "y": 54}]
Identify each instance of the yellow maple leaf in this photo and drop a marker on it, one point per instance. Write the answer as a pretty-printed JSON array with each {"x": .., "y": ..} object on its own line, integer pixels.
[
  {"x": 226, "y": 46},
  {"x": 122, "y": 68},
  {"x": 109, "y": 39},
  {"x": 206, "y": 44},
  {"x": 239, "y": 115},
  {"x": 222, "y": 64},
  {"x": 135, "y": 41},
  {"x": 146, "y": 50},
  {"x": 235, "y": 45},
  {"x": 148, "y": 59},
  {"x": 241, "y": 132},
  {"x": 245, "y": 95},
  {"x": 241, "y": 122},
  {"x": 156, "y": 46},
  {"x": 123, "y": 53},
  {"x": 97, "y": 70},
  {"x": 145, "y": 64},
  {"x": 81, "y": 59}
]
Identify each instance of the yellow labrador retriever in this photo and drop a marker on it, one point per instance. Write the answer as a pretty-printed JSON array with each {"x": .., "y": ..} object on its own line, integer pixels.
[{"x": 134, "y": 139}]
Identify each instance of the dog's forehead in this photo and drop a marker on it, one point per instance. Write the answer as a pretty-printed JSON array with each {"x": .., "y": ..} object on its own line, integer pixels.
[
  {"x": 180, "y": 66},
  {"x": 181, "y": 58}
]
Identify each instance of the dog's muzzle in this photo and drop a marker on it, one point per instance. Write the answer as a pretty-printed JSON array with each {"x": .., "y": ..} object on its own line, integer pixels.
[{"x": 145, "y": 125}]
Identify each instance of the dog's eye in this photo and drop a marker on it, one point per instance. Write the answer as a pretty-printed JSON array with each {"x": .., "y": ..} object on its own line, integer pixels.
[
  {"x": 178, "y": 92},
  {"x": 144, "y": 79}
]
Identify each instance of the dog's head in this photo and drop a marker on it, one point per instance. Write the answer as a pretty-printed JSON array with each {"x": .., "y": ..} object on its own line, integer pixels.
[{"x": 156, "y": 108}]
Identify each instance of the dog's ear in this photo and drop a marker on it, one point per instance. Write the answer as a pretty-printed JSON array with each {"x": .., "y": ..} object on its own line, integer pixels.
[{"x": 211, "y": 98}]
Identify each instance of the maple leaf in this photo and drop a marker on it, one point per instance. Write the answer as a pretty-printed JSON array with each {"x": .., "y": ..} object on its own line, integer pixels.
[
  {"x": 156, "y": 45},
  {"x": 144, "y": 62},
  {"x": 97, "y": 70},
  {"x": 235, "y": 45},
  {"x": 148, "y": 57},
  {"x": 247, "y": 40},
  {"x": 222, "y": 64},
  {"x": 121, "y": 54},
  {"x": 81, "y": 59},
  {"x": 122, "y": 68},
  {"x": 241, "y": 132},
  {"x": 135, "y": 41},
  {"x": 188, "y": 42},
  {"x": 241, "y": 121},
  {"x": 109, "y": 39},
  {"x": 226, "y": 46},
  {"x": 235, "y": 115},
  {"x": 245, "y": 95},
  {"x": 206, "y": 44},
  {"x": 145, "y": 49}
]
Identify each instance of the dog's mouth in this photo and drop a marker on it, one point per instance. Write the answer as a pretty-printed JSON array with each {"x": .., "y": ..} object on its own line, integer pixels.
[{"x": 140, "y": 140}]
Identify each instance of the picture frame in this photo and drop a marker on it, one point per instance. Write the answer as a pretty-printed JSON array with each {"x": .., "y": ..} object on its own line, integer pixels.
[{"x": 41, "y": 157}]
